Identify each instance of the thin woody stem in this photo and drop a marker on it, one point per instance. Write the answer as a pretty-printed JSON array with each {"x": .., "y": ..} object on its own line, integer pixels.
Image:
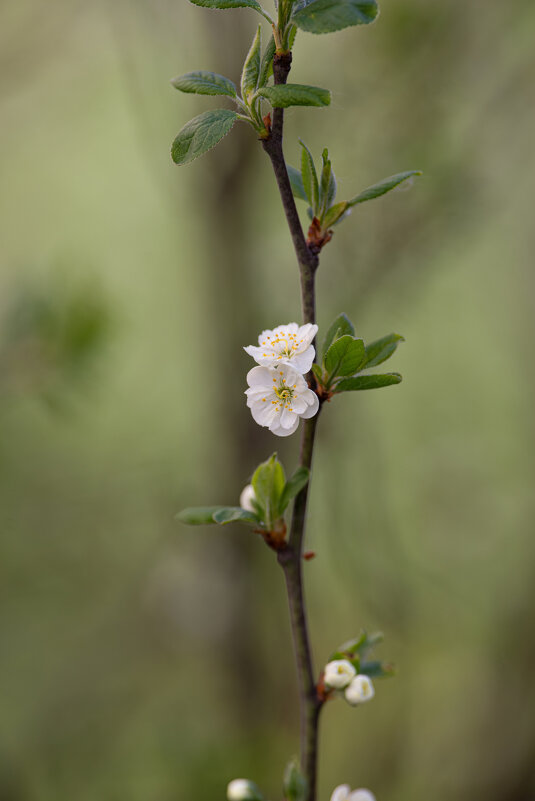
[{"x": 290, "y": 557}]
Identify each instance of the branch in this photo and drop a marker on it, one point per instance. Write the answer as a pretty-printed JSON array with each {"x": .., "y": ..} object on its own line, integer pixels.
[{"x": 290, "y": 558}]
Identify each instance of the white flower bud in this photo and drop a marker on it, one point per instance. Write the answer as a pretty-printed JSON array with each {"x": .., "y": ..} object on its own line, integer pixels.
[
  {"x": 341, "y": 793},
  {"x": 359, "y": 691},
  {"x": 338, "y": 674},
  {"x": 243, "y": 790},
  {"x": 247, "y": 497},
  {"x": 361, "y": 795}
]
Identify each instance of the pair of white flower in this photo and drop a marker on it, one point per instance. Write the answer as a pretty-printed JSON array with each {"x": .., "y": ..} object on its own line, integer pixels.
[
  {"x": 341, "y": 675},
  {"x": 278, "y": 395}
]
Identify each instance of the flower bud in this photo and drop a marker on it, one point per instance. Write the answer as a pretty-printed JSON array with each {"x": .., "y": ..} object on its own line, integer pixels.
[
  {"x": 243, "y": 790},
  {"x": 338, "y": 674},
  {"x": 358, "y": 692},
  {"x": 343, "y": 793},
  {"x": 247, "y": 497},
  {"x": 361, "y": 795}
]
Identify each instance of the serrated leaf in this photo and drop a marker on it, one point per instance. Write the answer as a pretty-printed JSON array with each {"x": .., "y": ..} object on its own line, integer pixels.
[
  {"x": 228, "y": 4},
  {"x": 377, "y": 670},
  {"x": 310, "y": 178},
  {"x": 383, "y": 187},
  {"x": 340, "y": 326},
  {"x": 382, "y": 349},
  {"x": 295, "y": 94},
  {"x": 294, "y": 783},
  {"x": 234, "y": 514},
  {"x": 335, "y": 213},
  {"x": 198, "y": 515},
  {"x": 268, "y": 483},
  {"x": 294, "y": 485},
  {"x": 344, "y": 356},
  {"x": 325, "y": 16},
  {"x": 204, "y": 83},
  {"x": 251, "y": 67},
  {"x": 266, "y": 65},
  {"x": 296, "y": 182},
  {"x": 202, "y": 134},
  {"x": 368, "y": 382}
]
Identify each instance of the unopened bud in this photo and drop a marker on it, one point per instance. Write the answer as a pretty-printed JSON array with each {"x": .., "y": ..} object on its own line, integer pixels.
[
  {"x": 358, "y": 692},
  {"x": 243, "y": 790},
  {"x": 247, "y": 497},
  {"x": 343, "y": 793},
  {"x": 361, "y": 795},
  {"x": 339, "y": 673}
]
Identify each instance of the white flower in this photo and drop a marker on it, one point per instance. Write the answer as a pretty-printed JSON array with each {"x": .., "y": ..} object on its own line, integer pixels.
[
  {"x": 247, "y": 497},
  {"x": 287, "y": 344},
  {"x": 243, "y": 790},
  {"x": 343, "y": 793},
  {"x": 359, "y": 691},
  {"x": 339, "y": 673},
  {"x": 278, "y": 398}
]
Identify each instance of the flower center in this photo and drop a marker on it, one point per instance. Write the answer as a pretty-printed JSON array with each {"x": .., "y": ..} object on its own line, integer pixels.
[{"x": 284, "y": 393}]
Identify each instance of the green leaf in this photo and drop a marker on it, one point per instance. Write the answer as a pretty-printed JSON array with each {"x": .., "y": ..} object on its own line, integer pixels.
[
  {"x": 335, "y": 213},
  {"x": 266, "y": 65},
  {"x": 310, "y": 178},
  {"x": 294, "y": 485},
  {"x": 294, "y": 784},
  {"x": 377, "y": 670},
  {"x": 201, "y": 134},
  {"x": 204, "y": 83},
  {"x": 359, "y": 646},
  {"x": 296, "y": 182},
  {"x": 251, "y": 67},
  {"x": 382, "y": 349},
  {"x": 325, "y": 16},
  {"x": 327, "y": 184},
  {"x": 295, "y": 94},
  {"x": 198, "y": 515},
  {"x": 344, "y": 356},
  {"x": 318, "y": 372},
  {"x": 232, "y": 514},
  {"x": 383, "y": 187},
  {"x": 340, "y": 326},
  {"x": 368, "y": 382},
  {"x": 230, "y": 4},
  {"x": 268, "y": 483}
]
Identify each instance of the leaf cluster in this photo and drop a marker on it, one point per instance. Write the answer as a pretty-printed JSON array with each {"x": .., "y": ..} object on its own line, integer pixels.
[
  {"x": 345, "y": 356},
  {"x": 273, "y": 492},
  {"x": 318, "y": 188},
  {"x": 357, "y": 652},
  {"x": 313, "y": 16},
  {"x": 204, "y": 131}
]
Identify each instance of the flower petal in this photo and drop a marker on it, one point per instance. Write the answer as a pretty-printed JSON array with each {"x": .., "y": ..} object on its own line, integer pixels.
[
  {"x": 277, "y": 429},
  {"x": 303, "y": 361},
  {"x": 259, "y": 377},
  {"x": 312, "y": 399}
]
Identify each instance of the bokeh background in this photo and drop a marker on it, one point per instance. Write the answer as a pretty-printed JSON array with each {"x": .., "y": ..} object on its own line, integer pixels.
[{"x": 145, "y": 661}]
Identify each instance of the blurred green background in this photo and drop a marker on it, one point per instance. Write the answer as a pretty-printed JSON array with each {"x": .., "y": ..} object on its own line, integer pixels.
[{"x": 145, "y": 661}]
